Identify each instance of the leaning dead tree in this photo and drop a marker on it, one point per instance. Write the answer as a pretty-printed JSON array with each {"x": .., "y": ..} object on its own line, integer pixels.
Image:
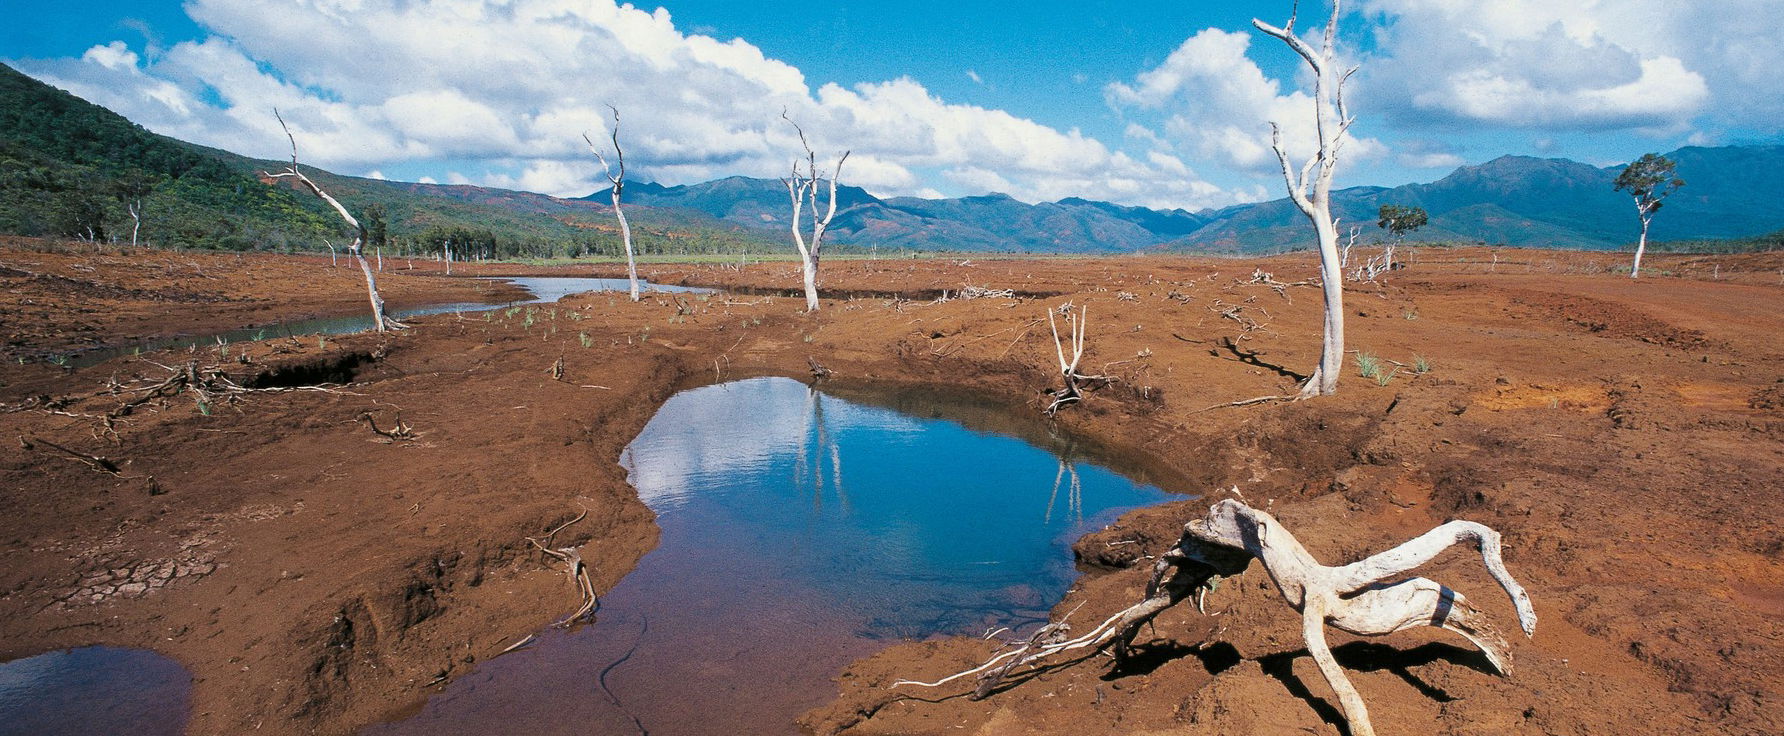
[
  {"x": 379, "y": 321},
  {"x": 617, "y": 176},
  {"x": 1076, "y": 321},
  {"x": 1310, "y": 186},
  {"x": 1356, "y": 597},
  {"x": 802, "y": 188}
]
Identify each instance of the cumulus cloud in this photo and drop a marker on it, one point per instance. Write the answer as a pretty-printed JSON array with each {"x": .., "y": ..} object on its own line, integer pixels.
[
  {"x": 1218, "y": 104},
  {"x": 1546, "y": 64},
  {"x": 511, "y": 85}
]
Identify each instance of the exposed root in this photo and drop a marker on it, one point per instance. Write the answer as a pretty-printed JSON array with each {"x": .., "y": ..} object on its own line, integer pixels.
[
  {"x": 575, "y": 568},
  {"x": 398, "y": 432},
  {"x": 1353, "y": 598}
]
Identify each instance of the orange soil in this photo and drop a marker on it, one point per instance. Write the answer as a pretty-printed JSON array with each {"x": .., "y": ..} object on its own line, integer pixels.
[{"x": 1624, "y": 434}]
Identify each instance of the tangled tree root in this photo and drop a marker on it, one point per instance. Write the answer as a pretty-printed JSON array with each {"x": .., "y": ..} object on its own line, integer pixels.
[
  {"x": 1352, "y": 598},
  {"x": 575, "y": 568}
]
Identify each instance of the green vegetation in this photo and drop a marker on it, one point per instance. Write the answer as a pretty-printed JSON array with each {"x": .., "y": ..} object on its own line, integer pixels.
[
  {"x": 1368, "y": 366},
  {"x": 1756, "y": 244},
  {"x": 69, "y": 168}
]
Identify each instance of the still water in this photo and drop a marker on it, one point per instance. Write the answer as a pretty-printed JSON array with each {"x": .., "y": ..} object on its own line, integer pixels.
[
  {"x": 540, "y": 289},
  {"x": 800, "y": 531},
  {"x": 93, "y": 690}
]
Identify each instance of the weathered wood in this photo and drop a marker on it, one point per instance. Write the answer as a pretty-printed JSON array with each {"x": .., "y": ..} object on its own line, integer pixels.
[
  {"x": 1355, "y": 598},
  {"x": 802, "y": 190},
  {"x": 1310, "y": 187},
  {"x": 616, "y": 175},
  {"x": 379, "y": 321}
]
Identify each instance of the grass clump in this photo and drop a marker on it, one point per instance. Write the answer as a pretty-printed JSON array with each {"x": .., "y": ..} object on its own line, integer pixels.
[{"x": 1368, "y": 366}]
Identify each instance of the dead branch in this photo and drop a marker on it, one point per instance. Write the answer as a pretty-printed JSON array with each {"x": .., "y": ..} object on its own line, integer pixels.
[
  {"x": 398, "y": 432},
  {"x": 1355, "y": 598},
  {"x": 818, "y": 371},
  {"x": 575, "y": 568},
  {"x": 96, "y": 462}
]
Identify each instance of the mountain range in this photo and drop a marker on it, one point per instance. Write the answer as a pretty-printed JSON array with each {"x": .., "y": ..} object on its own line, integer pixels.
[
  {"x": 71, "y": 168},
  {"x": 1730, "y": 192}
]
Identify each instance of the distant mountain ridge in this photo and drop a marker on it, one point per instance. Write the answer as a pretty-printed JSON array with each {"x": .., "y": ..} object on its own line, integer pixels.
[
  {"x": 1730, "y": 192},
  {"x": 71, "y": 168}
]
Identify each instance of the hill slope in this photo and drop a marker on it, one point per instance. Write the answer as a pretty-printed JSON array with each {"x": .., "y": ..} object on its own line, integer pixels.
[
  {"x": 68, "y": 167},
  {"x": 72, "y": 168}
]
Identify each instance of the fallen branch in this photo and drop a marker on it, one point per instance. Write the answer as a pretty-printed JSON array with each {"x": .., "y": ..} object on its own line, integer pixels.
[
  {"x": 96, "y": 462},
  {"x": 575, "y": 568},
  {"x": 399, "y": 432},
  {"x": 1353, "y": 598}
]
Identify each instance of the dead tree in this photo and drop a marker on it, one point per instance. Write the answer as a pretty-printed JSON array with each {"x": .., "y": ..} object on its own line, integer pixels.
[
  {"x": 1076, "y": 321},
  {"x": 379, "y": 321},
  {"x": 618, "y": 179},
  {"x": 1354, "y": 598},
  {"x": 1310, "y": 187},
  {"x": 803, "y": 190}
]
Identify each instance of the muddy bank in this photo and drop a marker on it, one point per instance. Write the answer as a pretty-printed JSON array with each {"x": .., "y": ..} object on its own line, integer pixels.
[
  {"x": 1625, "y": 437},
  {"x": 65, "y": 298}
]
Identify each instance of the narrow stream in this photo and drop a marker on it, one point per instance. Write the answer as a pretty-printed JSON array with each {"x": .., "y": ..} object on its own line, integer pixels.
[
  {"x": 800, "y": 531},
  {"x": 541, "y": 288}
]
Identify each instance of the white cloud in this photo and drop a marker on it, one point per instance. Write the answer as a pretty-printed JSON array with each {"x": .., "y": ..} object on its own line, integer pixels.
[
  {"x": 970, "y": 74},
  {"x": 511, "y": 85},
  {"x": 1546, "y": 64},
  {"x": 1219, "y": 105}
]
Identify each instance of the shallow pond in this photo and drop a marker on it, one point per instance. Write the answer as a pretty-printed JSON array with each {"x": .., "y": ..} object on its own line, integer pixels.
[
  {"x": 800, "y": 531},
  {"x": 541, "y": 288},
  {"x": 94, "y": 690}
]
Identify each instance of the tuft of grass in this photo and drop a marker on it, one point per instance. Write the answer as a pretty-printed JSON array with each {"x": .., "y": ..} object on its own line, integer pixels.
[
  {"x": 1368, "y": 366},
  {"x": 1410, "y": 315},
  {"x": 1382, "y": 377},
  {"x": 585, "y": 339},
  {"x": 322, "y": 342},
  {"x": 1420, "y": 365}
]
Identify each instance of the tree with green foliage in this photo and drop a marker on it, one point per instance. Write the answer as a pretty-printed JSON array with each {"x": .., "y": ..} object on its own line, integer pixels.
[
  {"x": 377, "y": 229},
  {"x": 1399, "y": 220},
  {"x": 1649, "y": 180}
]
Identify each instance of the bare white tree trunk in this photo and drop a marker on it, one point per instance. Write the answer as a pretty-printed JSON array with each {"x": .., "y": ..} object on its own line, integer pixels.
[
  {"x": 379, "y": 321},
  {"x": 448, "y": 256},
  {"x": 618, "y": 179},
  {"x": 332, "y": 263},
  {"x": 380, "y": 259},
  {"x": 1310, "y": 187},
  {"x": 1642, "y": 244},
  {"x": 135, "y": 220},
  {"x": 802, "y": 189}
]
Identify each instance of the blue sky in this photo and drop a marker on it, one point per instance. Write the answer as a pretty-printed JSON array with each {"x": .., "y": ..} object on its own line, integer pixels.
[{"x": 1159, "y": 104}]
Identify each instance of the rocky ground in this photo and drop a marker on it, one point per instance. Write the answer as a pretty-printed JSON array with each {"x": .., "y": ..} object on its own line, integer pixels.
[{"x": 243, "y": 517}]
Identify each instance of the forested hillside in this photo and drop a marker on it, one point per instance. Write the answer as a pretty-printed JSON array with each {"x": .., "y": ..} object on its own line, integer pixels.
[{"x": 70, "y": 168}]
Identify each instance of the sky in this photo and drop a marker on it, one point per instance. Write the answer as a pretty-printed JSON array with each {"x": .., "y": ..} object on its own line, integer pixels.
[{"x": 1154, "y": 104}]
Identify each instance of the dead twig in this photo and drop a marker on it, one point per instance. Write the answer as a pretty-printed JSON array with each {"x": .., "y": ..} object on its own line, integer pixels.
[{"x": 96, "y": 462}]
